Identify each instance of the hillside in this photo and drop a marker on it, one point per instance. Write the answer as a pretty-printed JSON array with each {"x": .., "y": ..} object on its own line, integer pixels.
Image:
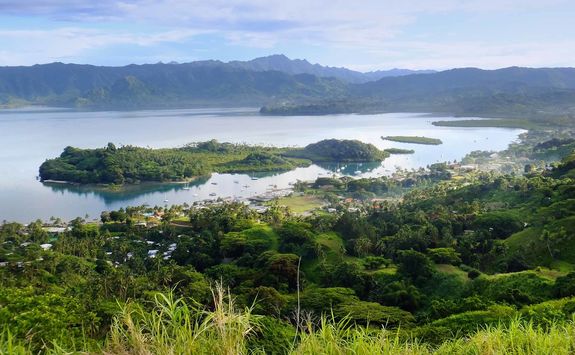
[
  {"x": 508, "y": 92},
  {"x": 288, "y": 87},
  {"x": 454, "y": 260},
  {"x": 157, "y": 85}
]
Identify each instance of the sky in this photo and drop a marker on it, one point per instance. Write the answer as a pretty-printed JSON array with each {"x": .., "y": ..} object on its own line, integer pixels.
[{"x": 362, "y": 35}]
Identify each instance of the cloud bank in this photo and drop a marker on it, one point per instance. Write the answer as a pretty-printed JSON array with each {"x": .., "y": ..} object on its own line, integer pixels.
[{"x": 366, "y": 34}]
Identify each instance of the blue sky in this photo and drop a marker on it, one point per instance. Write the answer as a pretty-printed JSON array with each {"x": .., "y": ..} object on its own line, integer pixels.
[{"x": 362, "y": 34}]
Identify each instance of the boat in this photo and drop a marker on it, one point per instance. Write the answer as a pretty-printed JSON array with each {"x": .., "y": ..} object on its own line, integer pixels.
[
  {"x": 255, "y": 178},
  {"x": 357, "y": 172},
  {"x": 213, "y": 194},
  {"x": 236, "y": 182},
  {"x": 214, "y": 183}
]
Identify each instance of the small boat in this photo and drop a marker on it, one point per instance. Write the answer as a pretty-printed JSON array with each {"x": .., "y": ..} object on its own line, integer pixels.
[
  {"x": 255, "y": 178},
  {"x": 214, "y": 183},
  {"x": 236, "y": 182},
  {"x": 213, "y": 194},
  {"x": 246, "y": 186},
  {"x": 357, "y": 172},
  {"x": 195, "y": 195}
]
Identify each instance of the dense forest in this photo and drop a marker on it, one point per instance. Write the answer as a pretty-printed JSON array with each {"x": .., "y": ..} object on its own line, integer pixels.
[
  {"x": 439, "y": 266},
  {"x": 128, "y": 164}
]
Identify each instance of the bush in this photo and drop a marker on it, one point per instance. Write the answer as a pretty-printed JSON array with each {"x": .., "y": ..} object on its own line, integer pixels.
[
  {"x": 565, "y": 285},
  {"x": 414, "y": 265},
  {"x": 473, "y": 274},
  {"x": 444, "y": 256}
]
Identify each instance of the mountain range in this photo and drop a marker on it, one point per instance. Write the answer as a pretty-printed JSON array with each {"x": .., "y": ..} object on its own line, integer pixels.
[
  {"x": 279, "y": 81},
  {"x": 280, "y": 62}
]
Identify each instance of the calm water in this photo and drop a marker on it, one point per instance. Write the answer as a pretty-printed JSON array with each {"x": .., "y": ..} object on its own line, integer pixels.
[{"x": 29, "y": 136}]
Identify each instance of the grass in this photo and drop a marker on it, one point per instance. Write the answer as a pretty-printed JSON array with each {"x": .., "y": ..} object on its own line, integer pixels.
[
  {"x": 528, "y": 242},
  {"x": 413, "y": 140},
  {"x": 517, "y": 338},
  {"x": 333, "y": 252},
  {"x": 10, "y": 345},
  {"x": 177, "y": 326},
  {"x": 452, "y": 270},
  {"x": 301, "y": 204}
]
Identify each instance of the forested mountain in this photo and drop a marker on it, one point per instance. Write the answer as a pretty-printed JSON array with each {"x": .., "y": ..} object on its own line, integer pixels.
[
  {"x": 280, "y": 82},
  {"x": 513, "y": 79},
  {"x": 157, "y": 85},
  {"x": 508, "y": 92}
]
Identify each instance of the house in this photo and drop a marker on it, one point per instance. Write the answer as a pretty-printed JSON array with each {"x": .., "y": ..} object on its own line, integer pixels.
[
  {"x": 46, "y": 246},
  {"x": 56, "y": 230}
]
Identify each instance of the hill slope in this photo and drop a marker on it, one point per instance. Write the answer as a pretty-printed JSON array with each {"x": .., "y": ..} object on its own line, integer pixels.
[{"x": 157, "y": 85}]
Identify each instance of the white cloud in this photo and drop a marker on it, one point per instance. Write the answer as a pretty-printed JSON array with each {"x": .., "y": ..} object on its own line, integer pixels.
[
  {"x": 425, "y": 55},
  {"x": 64, "y": 44},
  {"x": 381, "y": 29}
]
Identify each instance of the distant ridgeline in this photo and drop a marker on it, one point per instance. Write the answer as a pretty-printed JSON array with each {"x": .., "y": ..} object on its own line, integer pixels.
[
  {"x": 128, "y": 164},
  {"x": 209, "y": 82},
  {"x": 293, "y": 87},
  {"x": 510, "y": 92}
]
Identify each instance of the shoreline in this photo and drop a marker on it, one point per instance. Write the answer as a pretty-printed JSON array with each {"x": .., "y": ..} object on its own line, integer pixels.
[{"x": 124, "y": 187}]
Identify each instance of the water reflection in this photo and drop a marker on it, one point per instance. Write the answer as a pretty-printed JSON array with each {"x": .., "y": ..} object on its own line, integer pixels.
[
  {"x": 47, "y": 132},
  {"x": 128, "y": 192},
  {"x": 232, "y": 186}
]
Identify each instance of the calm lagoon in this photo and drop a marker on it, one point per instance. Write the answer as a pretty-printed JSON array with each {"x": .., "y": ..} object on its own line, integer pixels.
[{"x": 29, "y": 136}]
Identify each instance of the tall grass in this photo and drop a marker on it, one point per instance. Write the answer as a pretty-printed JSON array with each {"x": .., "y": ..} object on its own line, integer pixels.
[
  {"x": 517, "y": 338},
  {"x": 341, "y": 337},
  {"x": 175, "y": 327},
  {"x": 10, "y": 345}
]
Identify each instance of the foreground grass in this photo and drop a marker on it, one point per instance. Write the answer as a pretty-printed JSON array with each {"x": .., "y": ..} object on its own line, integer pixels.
[{"x": 175, "y": 327}]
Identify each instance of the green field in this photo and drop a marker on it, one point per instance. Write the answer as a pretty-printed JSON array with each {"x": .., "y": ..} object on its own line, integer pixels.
[{"x": 301, "y": 204}]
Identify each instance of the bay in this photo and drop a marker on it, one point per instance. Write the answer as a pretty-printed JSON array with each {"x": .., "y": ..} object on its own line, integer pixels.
[{"x": 28, "y": 136}]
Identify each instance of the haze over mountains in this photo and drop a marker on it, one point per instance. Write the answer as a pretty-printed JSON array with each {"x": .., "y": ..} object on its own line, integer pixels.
[
  {"x": 280, "y": 62},
  {"x": 278, "y": 80}
]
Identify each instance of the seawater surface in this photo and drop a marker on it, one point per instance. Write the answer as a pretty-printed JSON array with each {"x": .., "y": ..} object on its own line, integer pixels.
[{"x": 29, "y": 136}]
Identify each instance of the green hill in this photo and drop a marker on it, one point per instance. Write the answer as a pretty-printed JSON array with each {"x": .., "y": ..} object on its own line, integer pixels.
[{"x": 334, "y": 150}]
